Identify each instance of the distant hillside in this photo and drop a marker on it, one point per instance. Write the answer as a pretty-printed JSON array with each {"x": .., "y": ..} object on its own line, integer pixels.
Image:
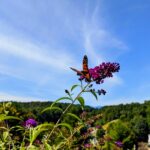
[
  {"x": 122, "y": 111},
  {"x": 135, "y": 116}
]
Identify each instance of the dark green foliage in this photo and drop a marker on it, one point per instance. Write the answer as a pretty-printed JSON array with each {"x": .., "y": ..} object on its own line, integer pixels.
[
  {"x": 100, "y": 133},
  {"x": 134, "y": 115},
  {"x": 140, "y": 127}
]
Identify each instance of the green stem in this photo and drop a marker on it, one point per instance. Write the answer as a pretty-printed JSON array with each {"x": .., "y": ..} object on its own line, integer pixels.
[{"x": 83, "y": 89}]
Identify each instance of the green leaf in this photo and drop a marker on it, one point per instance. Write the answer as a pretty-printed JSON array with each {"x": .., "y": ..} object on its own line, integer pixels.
[
  {"x": 60, "y": 99},
  {"x": 4, "y": 117},
  {"x": 94, "y": 94},
  {"x": 52, "y": 108},
  {"x": 74, "y": 86},
  {"x": 5, "y": 135},
  {"x": 75, "y": 116},
  {"x": 81, "y": 101},
  {"x": 32, "y": 147},
  {"x": 66, "y": 125},
  {"x": 37, "y": 130},
  {"x": 47, "y": 146}
]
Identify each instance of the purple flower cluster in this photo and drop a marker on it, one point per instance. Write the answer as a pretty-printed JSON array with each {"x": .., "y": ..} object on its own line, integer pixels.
[
  {"x": 30, "y": 123},
  {"x": 104, "y": 70},
  {"x": 119, "y": 143}
]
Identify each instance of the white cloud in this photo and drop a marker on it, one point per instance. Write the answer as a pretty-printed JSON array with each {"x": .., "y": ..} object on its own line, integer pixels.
[
  {"x": 33, "y": 53},
  {"x": 46, "y": 64},
  {"x": 114, "y": 81},
  {"x": 8, "y": 97},
  {"x": 98, "y": 40}
]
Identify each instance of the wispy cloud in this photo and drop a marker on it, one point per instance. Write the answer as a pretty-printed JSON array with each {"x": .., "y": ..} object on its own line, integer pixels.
[
  {"x": 33, "y": 53},
  {"x": 40, "y": 48},
  {"x": 98, "y": 40},
  {"x": 8, "y": 97}
]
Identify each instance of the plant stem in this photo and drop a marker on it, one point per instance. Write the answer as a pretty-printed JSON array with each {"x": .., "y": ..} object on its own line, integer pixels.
[{"x": 82, "y": 90}]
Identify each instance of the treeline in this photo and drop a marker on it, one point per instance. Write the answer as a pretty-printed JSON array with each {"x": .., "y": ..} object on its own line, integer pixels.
[
  {"x": 135, "y": 115},
  {"x": 26, "y": 110}
]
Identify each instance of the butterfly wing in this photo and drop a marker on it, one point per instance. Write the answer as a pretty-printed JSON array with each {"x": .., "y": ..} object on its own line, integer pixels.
[
  {"x": 85, "y": 64},
  {"x": 85, "y": 68},
  {"x": 85, "y": 71},
  {"x": 77, "y": 71}
]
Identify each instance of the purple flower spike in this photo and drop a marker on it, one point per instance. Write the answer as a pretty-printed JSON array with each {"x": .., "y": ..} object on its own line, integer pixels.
[
  {"x": 103, "y": 71},
  {"x": 119, "y": 143},
  {"x": 30, "y": 123}
]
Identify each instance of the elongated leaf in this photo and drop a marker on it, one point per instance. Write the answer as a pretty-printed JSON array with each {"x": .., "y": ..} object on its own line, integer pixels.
[
  {"x": 4, "y": 129},
  {"x": 52, "y": 108},
  {"x": 22, "y": 147},
  {"x": 65, "y": 125},
  {"x": 4, "y": 117},
  {"x": 74, "y": 86},
  {"x": 60, "y": 99},
  {"x": 17, "y": 128},
  {"x": 81, "y": 101},
  {"x": 75, "y": 116},
  {"x": 94, "y": 94},
  {"x": 32, "y": 147},
  {"x": 5, "y": 135},
  {"x": 47, "y": 146},
  {"x": 38, "y": 129}
]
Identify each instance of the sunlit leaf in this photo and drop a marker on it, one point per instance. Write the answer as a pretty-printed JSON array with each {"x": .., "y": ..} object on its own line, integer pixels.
[
  {"x": 75, "y": 116},
  {"x": 81, "y": 101},
  {"x": 74, "y": 86},
  {"x": 52, "y": 108},
  {"x": 5, "y": 117},
  {"x": 37, "y": 130},
  {"x": 47, "y": 146},
  {"x": 94, "y": 94},
  {"x": 66, "y": 125},
  {"x": 5, "y": 135},
  {"x": 32, "y": 147}
]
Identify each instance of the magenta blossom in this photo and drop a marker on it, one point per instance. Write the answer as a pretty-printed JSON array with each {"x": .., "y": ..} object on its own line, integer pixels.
[
  {"x": 104, "y": 70},
  {"x": 30, "y": 123},
  {"x": 99, "y": 73}
]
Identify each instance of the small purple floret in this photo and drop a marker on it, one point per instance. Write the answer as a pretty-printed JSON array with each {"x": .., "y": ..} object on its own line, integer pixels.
[
  {"x": 30, "y": 123},
  {"x": 119, "y": 143},
  {"x": 103, "y": 71}
]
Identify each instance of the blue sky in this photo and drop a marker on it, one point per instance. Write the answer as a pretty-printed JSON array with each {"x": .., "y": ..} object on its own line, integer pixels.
[{"x": 40, "y": 40}]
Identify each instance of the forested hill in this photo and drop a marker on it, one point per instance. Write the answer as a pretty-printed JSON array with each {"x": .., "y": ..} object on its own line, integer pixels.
[
  {"x": 134, "y": 116},
  {"x": 123, "y": 111}
]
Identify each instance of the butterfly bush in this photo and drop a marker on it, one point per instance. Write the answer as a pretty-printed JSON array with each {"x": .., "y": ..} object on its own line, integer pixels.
[
  {"x": 99, "y": 73},
  {"x": 104, "y": 70},
  {"x": 86, "y": 135}
]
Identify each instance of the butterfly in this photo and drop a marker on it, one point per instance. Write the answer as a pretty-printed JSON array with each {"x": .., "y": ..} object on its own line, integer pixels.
[{"x": 85, "y": 72}]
